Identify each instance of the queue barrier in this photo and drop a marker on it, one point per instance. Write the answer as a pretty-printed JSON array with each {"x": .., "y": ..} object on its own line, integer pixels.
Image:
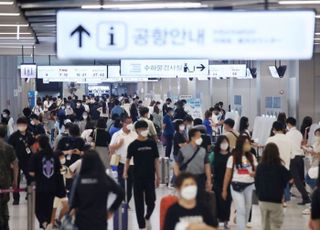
[{"x": 31, "y": 198}]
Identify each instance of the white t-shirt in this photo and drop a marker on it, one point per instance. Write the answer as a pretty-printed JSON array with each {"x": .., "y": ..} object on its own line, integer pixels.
[
  {"x": 296, "y": 138},
  {"x": 128, "y": 139},
  {"x": 242, "y": 174},
  {"x": 284, "y": 145}
]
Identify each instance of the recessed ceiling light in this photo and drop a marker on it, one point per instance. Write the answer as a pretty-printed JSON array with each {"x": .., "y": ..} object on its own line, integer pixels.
[
  {"x": 306, "y": 2},
  {"x": 6, "y": 3},
  {"x": 155, "y": 5},
  {"x": 14, "y": 25},
  {"x": 317, "y": 34},
  {"x": 9, "y": 14},
  {"x": 317, "y": 16}
]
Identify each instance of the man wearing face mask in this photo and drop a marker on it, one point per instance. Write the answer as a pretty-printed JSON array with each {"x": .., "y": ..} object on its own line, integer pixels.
[
  {"x": 192, "y": 158},
  {"x": 146, "y": 173},
  {"x": 144, "y": 116},
  {"x": 78, "y": 110},
  {"x": 168, "y": 131},
  {"x": 21, "y": 141},
  {"x": 119, "y": 145},
  {"x": 166, "y": 106},
  {"x": 36, "y": 128}
]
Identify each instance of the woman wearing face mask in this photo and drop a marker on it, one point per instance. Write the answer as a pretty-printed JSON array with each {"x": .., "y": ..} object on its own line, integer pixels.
[
  {"x": 188, "y": 214},
  {"x": 84, "y": 121},
  {"x": 8, "y": 121},
  {"x": 240, "y": 172},
  {"x": 179, "y": 139},
  {"x": 221, "y": 156}
]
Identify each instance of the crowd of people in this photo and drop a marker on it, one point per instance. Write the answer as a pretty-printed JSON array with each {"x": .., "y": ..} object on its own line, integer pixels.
[{"x": 66, "y": 145}]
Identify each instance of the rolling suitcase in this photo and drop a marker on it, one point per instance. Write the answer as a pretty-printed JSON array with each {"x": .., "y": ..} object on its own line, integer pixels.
[
  {"x": 165, "y": 203},
  {"x": 164, "y": 170},
  {"x": 120, "y": 219}
]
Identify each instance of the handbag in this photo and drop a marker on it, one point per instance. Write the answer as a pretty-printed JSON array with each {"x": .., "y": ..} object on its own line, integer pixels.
[
  {"x": 239, "y": 186},
  {"x": 184, "y": 166},
  {"x": 68, "y": 221},
  {"x": 115, "y": 160}
]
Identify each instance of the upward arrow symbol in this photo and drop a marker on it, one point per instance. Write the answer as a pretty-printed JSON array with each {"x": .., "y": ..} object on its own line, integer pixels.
[{"x": 80, "y": 30}]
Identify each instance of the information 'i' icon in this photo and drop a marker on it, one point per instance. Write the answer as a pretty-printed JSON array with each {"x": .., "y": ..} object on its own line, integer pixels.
[{"x": 111, "y": 35}]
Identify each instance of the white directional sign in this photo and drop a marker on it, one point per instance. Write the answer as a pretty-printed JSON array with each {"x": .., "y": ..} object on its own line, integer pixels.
[
  {"x": 228, "y": 71},
  {"x": 252, "y": 35},
  {"x": 81, "y": 74},
  {"x": 164, "y": 68}
]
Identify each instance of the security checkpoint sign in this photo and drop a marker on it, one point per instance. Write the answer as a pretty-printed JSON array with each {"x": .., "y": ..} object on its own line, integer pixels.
[
  {"x": 214, "y": 35},
  {"x": 164, "y": 68}
]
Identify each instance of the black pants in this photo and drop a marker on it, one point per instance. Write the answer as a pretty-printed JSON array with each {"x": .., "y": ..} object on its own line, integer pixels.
[
  {"x": 169, "y": 142},
  {"x": 129, "y": 180},
  {"x": 16, "y": 195},
  {"x": 144, "y": 193},
  {"x": 4, "y": 211},
  {"x": 223, "y": 206},
  {"x": 44, "y": 205},
  {"x": 297, "y": 171}
]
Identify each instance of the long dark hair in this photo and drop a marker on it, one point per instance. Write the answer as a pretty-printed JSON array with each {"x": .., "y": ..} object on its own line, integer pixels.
[
  {"x": 244, "y": 121},
  {"x": 221, "y": 139},
  {"x": 93, "y": 167},
  {"x": 271, "y": 155},
  {"x": 307, "y": 122},
  {"x": 237, "y": 152},
  {"x": 104, "y": 107},
  {"x": 44, "y": 145},
  {"x": 156, "y": 109}
]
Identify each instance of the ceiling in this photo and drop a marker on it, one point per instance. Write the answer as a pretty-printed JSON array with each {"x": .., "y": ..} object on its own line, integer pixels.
[{"x": 37, "y": 19}]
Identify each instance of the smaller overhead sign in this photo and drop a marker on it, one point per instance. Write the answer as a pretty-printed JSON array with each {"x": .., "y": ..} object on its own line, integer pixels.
[
  {"x": 228, "y": 71},
  {"x": 164, "y": 68},
  {"x": 28, "y": 71}
]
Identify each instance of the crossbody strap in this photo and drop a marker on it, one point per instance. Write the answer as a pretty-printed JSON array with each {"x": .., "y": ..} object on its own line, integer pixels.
[{"x": 191, "y": 158}]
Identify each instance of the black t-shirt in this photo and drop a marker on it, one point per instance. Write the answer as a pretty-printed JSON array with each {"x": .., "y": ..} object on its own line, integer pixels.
[
  {"x": 315, "y": 205},
  {"x": 37, "y": 129},
  {"x": 90, "y": 200},
  {"x": 177, "y": 213},
  {"x": 102, "y": 138},
  {"x": 219, "y": 168},
  {"x": 48, "y": 177},
  {"x": 178, "y": 139},
  {"x": 21, "y": 144},
  {"x": 271, "y": 181},
  {"x": 206, "y": 141},
  {"x": 144, "y": 154}
]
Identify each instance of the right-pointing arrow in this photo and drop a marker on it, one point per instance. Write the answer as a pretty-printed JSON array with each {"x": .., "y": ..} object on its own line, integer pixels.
[
  {"x": 201, "y": 67},
  {"x": 80, "y": 30}
]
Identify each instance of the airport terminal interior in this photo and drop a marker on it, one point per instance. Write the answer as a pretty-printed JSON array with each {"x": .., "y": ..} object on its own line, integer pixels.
[{"x": 162, "y": 115}]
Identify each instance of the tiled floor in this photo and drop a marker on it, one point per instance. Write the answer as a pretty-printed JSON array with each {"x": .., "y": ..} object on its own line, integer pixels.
[{"x": 293, "y": 217}]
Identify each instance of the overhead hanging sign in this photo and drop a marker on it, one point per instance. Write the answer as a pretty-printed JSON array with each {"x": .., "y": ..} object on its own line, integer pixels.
[
  {"x": 251, "y": 35},
  {"x": 165, "y": 68},
  {"x": 114, "y": 76},
  {"x": 228, "y": 71},
  {"x": 80, "y": 74}
]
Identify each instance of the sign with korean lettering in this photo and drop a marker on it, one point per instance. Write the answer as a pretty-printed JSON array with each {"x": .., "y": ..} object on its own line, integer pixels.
[
  {"x": 228, "y": 71},
  {"x": 164, "y": 68},
  {"x": 216, "y": 35}
]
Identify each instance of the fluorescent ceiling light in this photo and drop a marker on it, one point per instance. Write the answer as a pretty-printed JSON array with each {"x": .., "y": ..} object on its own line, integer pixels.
[
  {"x": 15, "y": 38},
  {"x": 317, "y": 34},
  {"x": 171, "y": 5},
  {"x": 306, "y": 2},
  {"x": 317, "y": 43},
  {"x": 14, "y": 33},
  {"x": 14, "y": 25},
  {"x": 15, "y": 47},
  {"x": 317, "y": 16},
  {"x": 6, "y": 3},
  {"x": 9, "y": 14},
  {"x": 317, "y": 39}
]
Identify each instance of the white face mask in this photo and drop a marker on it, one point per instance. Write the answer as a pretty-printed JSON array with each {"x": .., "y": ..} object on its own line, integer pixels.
[
  {"x": 182, "y": 127},
  {"x": 78, "y": 105},
  {"x": 130, "y": 127},
  {"x": 189, "y": 192},
  {"x": 144, "y": 133},
  {"x": 224, "y": 146},
  {"x": 68, "y": 106},
  {"x": 5, "y": 115},
  {"x": 199, "y": 141},
  {"x": 85, "y": 117},
  {"x": 62, "y": 107},
  {"x": 32, "y": 123}
]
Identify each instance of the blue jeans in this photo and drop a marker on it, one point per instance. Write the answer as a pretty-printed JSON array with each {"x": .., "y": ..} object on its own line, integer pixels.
[
  {"x": 311, "y": 182},
  {"x": 287, "y": 194},
  {"x": 243, "y": 203}
]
